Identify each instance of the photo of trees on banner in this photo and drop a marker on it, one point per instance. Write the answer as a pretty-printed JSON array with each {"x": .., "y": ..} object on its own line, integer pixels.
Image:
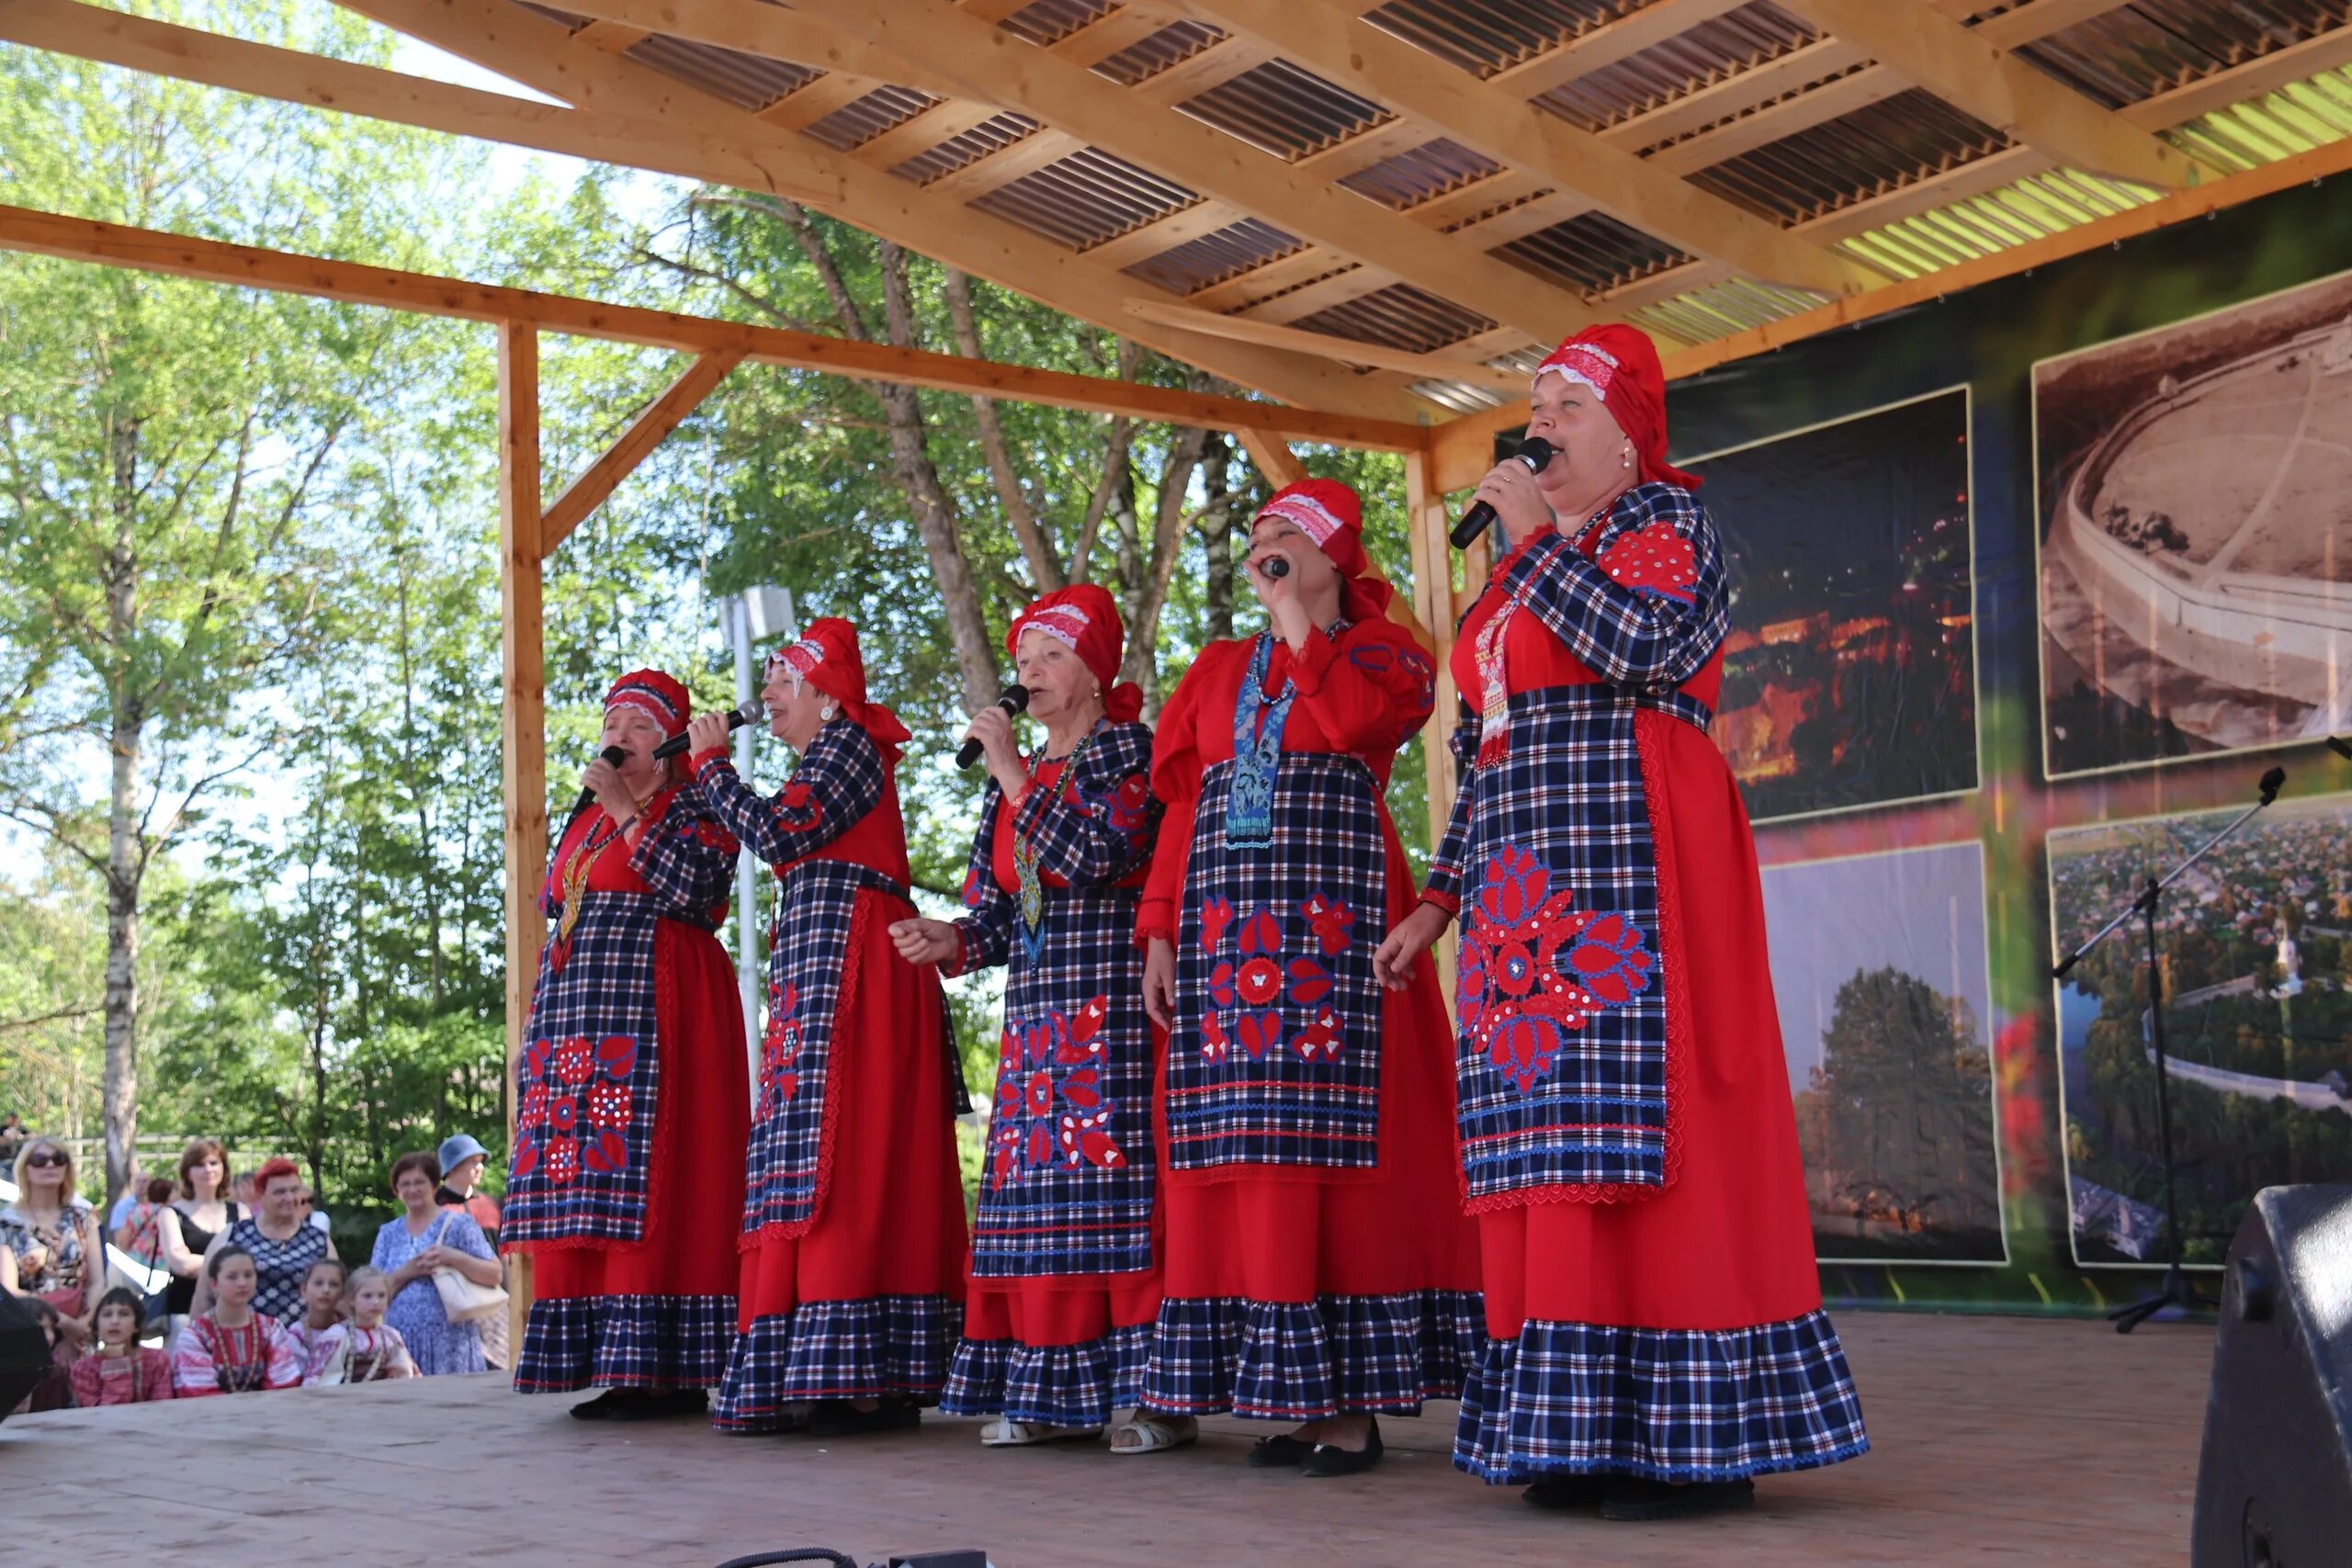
[
  {"x": 1879, "y": 971},
  {"x": 1850, "y": 676},
  {"x": 2255, "y": 939}
]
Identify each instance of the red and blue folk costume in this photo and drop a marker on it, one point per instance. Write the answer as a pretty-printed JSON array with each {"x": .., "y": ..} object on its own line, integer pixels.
[
  {"x": 1317, "y": 1263},
  {"x": 1628, "y": 1141},
  {"x": 1064, "y": 1283},
  {"x": 624, "y": 1185},
  {"x": 852, "y": 1212}
]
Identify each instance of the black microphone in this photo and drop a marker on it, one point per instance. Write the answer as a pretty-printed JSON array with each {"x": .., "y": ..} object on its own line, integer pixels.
[
  {"x": 750, "y": 713},
  {"x": 1535, "y": 452},
  {"x": 1274, "y": 566},
  {"x": 1015, "y": 700},
  {"x": 2270, "y": 783},
  {"x": 612, "y": 754}
]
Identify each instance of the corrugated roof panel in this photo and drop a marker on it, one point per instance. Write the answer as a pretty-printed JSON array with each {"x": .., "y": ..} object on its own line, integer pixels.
[
  {"x": 1147, "y": 58},
  {"x": 747, "y": 81},
  {"x": 1877, "y": 148},
  {"x": 862, "y": 120},
  {"x": 1591, "y": 252},
  {"x": 1400, "y": 316},
  {"x": 2140, "y": 50},
  {"x": 1699, "y": 55},
  {"x": 1048, "y": 22},
  {"x": 952, "y": 155},
  {"x": 1420, "y": 173},
  {"x": 1214, "y": 257},
  {"x": 1485, "y": 35},
  {"x": 1287, "y": 111},
  {"x": 1086, "y": 199}
]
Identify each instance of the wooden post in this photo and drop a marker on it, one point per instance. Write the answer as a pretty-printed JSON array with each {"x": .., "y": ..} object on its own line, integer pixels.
[
  {"x": 1433, "y": 601},
  {"x": 522, "y": 730}
]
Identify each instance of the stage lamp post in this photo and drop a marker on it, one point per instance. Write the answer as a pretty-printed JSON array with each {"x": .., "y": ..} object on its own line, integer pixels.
[{"x": 751, "y": 620}]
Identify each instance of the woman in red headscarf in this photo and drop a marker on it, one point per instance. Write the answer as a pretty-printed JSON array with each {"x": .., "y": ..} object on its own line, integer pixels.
[
  {"x": 1064, "y": 1276},
  {"x": 853, "y": 1211},
  {"x": 626, "y": 1183},
  {"x": 1627, "y": 1136},
  {"x": 1318, "y": 1269}
]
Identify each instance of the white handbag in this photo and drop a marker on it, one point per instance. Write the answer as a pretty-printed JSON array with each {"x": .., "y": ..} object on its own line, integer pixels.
[{"x": 462, "y": 1300}]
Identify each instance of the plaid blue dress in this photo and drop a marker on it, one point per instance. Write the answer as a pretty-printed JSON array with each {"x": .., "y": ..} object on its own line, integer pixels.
[
  {"x": 1066, "y": 1192},
  {"x": 1626, "y": 1131}
]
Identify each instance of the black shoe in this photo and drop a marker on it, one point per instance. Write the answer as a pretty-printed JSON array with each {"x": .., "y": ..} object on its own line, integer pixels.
[
  {"x": 1327, "y": 1460},
  {"x": 607, "y": 1406},
  {"x": 840, "y": 1418},
  {"x": 1285, "y": 1452},
  {"x": 1565, "y": 1491},
  {"x": 661, "y": 1405},
  {"x": 1632, "y": 1497}
]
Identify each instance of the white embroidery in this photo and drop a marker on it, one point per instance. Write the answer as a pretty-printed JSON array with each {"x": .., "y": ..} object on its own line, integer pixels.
[
  {"x": 1318, "y": 521},
  {"x": 1063, "y": 623}
]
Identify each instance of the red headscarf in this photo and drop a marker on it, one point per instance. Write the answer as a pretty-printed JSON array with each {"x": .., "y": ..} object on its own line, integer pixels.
[
  {"x": 827, "y": 658},
  {"x": 1085, "y": 619},
  {"x": 1620, "y": 363},
  {"x": 1332, "y": 515},
  {"x": 657, "y": 696}
]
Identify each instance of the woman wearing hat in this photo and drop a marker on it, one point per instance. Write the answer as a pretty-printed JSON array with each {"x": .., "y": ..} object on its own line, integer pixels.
[
  {"x": 1065, "y": 1279},
  {"x": 1318, "y": 1269},
  {"x": 1628, "y": 1141},
  {"x": 853, "y": 1213},
  {"x": 627, "y": 1177}
]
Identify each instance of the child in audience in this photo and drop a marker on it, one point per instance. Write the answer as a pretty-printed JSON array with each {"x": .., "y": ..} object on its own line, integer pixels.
[
  {"x": 232, "y": 1349},
  {"x": 365, "y": 1349},
  {"x": 118, "y": 1369},
  {"x": 55, "y": 1390},
  {"x": 322, "y": 1288}
]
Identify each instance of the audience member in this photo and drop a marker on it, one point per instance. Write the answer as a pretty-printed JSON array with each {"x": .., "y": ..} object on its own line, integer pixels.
[
  {"x": 462, "y": 1160},
  {"x": 231, "y": 1348},
  {"x": 282, "y": 1246},
  {"x": 53, "y": 1231},
  {"x": 118, "y": 1369},
  {"x": 410, "y": 1248},
  {"x": 55, "y": 1390},
  {"x": 197, "y": 1217},
  {"x": 12, "y": 1138},
  {"x": 314, "y": 1216},
  {"x": 365, "y": 1349},
  {"x": 323, "y": 1285}
]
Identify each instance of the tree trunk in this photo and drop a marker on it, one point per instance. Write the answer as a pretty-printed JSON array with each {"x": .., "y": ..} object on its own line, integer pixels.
[
  {"x": 1167, "y": 543},
  {"x": 126, "y": 863},
  {"x": 1045, "y": 569},
  {"x": 1217, "y": 535}
]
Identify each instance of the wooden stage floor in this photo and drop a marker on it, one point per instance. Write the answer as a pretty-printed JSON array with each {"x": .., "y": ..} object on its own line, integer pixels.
[{"x": 1995, "y": 1440}]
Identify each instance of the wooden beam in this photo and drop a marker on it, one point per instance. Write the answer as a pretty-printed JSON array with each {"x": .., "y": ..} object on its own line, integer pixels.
[
  {"x": 529, "y": 49},
  {"x": 522, "y": 730},
  {"x": 1965, "y": 71},
  {"x": 771, "y": 33},
  {"x": 943, "y": 122},
  {"x": 1374, "y": 65},
  {"x": 1275, "y": 462},
  {"x": 1346, "y": 351},
  {"x": 943, "y": 39},
  {"x": 161, "y": 48},
  {"x": 1618, "y": 38},
  {"x": 1425, "y": 526},
  {"x": 655, "y": 421},
  {"x": 182, "y": 255}
]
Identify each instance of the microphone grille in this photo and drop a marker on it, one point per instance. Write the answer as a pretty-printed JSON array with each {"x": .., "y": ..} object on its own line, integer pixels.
[{"x": 1017, "y": 695}]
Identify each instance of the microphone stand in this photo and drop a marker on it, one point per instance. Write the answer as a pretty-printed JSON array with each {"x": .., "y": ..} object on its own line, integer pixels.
[{"x": 2175, "y": 1291}]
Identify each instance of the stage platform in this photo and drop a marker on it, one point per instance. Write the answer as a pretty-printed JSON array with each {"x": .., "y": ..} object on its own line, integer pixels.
[{"x": 1997, "y": 1440}]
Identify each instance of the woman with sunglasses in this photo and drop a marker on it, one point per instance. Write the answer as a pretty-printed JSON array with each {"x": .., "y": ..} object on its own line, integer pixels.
[{"x": 54, "y": 1233}]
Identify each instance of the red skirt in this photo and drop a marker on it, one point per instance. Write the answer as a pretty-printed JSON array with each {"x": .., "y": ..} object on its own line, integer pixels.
[
  {"x": 660, "y": 1313},
  {"x": 865, "y": 1304}
]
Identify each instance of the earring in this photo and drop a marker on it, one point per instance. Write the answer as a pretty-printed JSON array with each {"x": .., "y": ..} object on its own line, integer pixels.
[
  {"x": 1624, "y": 458},
  {"x": 829, "y": 713}
]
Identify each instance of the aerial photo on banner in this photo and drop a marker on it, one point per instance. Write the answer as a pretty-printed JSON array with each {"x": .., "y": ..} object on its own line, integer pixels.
[{"x": 2194, "y": 496}]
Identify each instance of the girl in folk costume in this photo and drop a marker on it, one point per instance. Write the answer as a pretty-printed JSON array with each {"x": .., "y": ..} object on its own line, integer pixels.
[
  {"x": 853, "y": 1213},
  {"x": 231, "y": 1348},
  {"x": 118, "y": 1369},
  {"x": 626, "y": 1181},
  {"x": 1064, "y": 1279},
  {"x": 365, "y": 1349},
  {"x": 1318, "y": 1269},
  {"x": 1627, "y": 1135}
]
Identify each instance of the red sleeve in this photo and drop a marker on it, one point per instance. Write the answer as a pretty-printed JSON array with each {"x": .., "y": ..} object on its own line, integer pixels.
[
  {"x": 1176, "y": 780},
  {"x": 1368, "y": 689}
]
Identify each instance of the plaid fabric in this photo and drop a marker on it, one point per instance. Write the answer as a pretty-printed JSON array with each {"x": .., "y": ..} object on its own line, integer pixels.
[
  {"x": 1672, "y": 1405},
  {"x": 632, "y": 1341},
  {"x": 825, "y": 914},
  {"x": 589, "y": 1082},
  {"x": 279, "y": 1264},
  {"x": 874, "y": 1347},
  {"x": 1071, "y": 1162},
  {"x": 1059, "y": 1386},
  {"x": 1304, "y": 1360},
  {"x": 1628, "y": 620},
  {"x": 1273, "y": 960}
]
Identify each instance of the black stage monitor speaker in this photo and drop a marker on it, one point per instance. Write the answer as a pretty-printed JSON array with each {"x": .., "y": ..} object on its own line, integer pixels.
[{"x": 2274, "y": 1482}]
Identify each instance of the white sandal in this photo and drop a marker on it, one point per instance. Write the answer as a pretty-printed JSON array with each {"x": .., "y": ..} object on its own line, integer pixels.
[
  {"x": 1146, "y": 1433},
  {"x": 1004, "y": 1434}
]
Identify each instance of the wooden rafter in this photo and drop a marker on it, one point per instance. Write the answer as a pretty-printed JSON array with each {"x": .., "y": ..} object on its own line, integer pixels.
[
  {"x": 216, "y": 261},
  {"x": 1605, "y": 44},
  {"x": 654, "y": 422},
  {"x": 1434, "y": 366},
  {"x": 1965, "y": 70},
  {"x": 1365, "y": 60}
]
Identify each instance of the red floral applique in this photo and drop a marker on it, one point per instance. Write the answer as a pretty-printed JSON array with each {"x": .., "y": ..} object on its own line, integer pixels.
[
  {"x": 798, "y": 808},
  {"x": 1050, "y": 1109},
  {"x": 577, "y": 1108},
  {"x": 1533, "y": 966},
  {"x": 1256, "y": 979},
  {"x": 1655, "y": 561},
  {"x": 780, "y": 1049}
]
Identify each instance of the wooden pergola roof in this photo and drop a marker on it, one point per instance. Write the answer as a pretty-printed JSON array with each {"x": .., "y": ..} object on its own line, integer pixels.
[{"x": 1379, "y": 210}]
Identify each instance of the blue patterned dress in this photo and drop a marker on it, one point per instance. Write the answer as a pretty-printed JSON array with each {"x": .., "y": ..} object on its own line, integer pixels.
[{"x": 434, "y": 1344}]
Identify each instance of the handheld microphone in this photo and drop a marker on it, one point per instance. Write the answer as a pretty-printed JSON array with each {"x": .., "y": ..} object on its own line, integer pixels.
[
  {"x": 1014, "y": 701},
  {"x": 612, "y": 754},
  {"x": 1274, "y": 566},
  {"x": 750, "y": 713},
  {"x": 2270, "y": 783},
  {"x": 1535, "y": 452}
]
